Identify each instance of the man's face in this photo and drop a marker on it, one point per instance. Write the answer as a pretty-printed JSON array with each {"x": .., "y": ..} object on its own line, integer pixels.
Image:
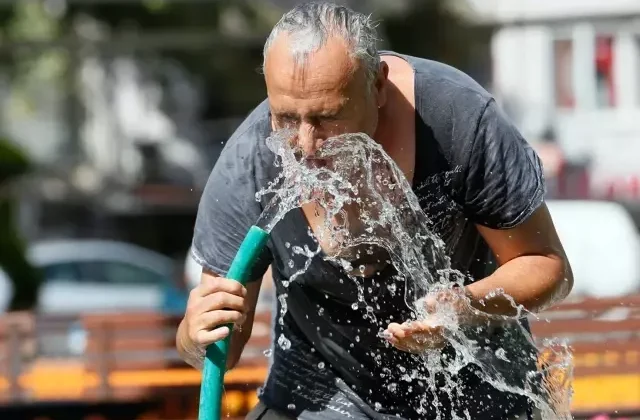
[{"x": 325, "y": 96}]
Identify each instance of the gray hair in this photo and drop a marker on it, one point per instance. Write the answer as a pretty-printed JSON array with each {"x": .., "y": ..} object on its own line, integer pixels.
[{"x": 311, "y": 24}]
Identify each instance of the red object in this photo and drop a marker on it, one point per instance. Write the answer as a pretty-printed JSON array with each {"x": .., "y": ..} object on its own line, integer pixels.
[
  {"x": 604, "y": 64},
  {"x": 627, "y": 188}
]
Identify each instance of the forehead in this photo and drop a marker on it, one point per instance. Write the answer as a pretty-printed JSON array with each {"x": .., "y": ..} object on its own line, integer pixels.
[{"x": 326, "y": 77}]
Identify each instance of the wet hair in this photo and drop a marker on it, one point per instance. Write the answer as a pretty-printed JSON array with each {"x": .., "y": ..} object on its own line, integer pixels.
[{"x": 310, "y": 25}]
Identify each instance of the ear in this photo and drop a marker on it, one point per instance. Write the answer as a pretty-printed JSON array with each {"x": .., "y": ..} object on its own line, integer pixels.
[{"x": 380, "y": 84}]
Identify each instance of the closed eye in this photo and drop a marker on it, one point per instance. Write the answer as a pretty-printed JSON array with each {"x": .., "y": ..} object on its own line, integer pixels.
[{"x": 287, "y": 119}]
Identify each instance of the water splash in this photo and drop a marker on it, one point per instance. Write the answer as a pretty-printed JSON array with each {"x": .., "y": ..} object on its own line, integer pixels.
[{"x": 370, "y": 217}]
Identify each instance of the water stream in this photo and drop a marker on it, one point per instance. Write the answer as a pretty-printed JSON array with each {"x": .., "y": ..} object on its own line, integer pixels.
[{"x": 370, "y": 213}]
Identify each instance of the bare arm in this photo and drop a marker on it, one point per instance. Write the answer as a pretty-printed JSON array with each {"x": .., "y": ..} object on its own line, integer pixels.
[
  {"x": 198, "y": 328},
  {"x": 533, "y": 268}
]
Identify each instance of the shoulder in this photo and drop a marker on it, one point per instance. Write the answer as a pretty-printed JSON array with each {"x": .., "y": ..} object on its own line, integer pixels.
[
  {"x": 246, "y": 155},
  {"x": 253, "y": 130},
  {"x": 228, "y": 206},
  {"x": 443, "y": 82},
  {"x": 446, "y": 98},
  {"x": 451, "y": 104}
]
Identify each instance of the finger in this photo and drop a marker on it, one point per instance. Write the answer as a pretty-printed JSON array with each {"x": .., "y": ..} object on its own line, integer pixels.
[
  {"x": 210, "y": 285},
  {"x": 221, "y": 301},
  {"x": 406, "y": 328},
  {"x": 396, "y": 331},
  {"x": 412, "y": 327},
  {"x": 396, "y": 342},
  {"x": 212, "y": 320},
  {"x": 427, "y": 325},
  {"x": 206, "y": 338},
  {"x": 406, "y": 346}
]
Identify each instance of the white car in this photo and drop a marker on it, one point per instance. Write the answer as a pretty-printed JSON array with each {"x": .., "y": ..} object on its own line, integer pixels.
[
  {"x": 101, "y": 276},
  {"x": 602, "y": 243}
]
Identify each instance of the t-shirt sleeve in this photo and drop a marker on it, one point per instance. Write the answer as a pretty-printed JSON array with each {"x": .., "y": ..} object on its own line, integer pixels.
[
  {"x": 228, "y": 206},
  {"x": 503, "y": 179}
]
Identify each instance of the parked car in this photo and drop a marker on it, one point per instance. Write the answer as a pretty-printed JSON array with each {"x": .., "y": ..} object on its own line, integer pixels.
[{"x": 101, "y": 276}]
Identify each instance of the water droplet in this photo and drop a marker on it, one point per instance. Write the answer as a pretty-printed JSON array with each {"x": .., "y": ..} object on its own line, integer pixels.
[
  {"x": 268, "y": 352},
  {"x": 359, "y": 173},
  {"x": 291, "y": 407},
  {"x": 284, "y": 342},
  {"x": 321, "y": 365},
  {"x": 502, "y": 354}
]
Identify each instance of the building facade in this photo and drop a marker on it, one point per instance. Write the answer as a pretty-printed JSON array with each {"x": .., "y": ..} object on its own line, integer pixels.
[{"x": 572, "y": 68}]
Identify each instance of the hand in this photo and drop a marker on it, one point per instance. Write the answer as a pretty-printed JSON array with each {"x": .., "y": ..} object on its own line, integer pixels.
[
  {"x": 213, "y": 304},
  {"x": 416, "y": 336},
  {"x": 427, "y": 333}
]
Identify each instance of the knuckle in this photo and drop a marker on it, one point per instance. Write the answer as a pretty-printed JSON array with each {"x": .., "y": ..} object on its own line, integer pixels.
[
  {"x": 214, "y": 321},
  {"x": 236, "y": 287},
  {"x": 192, "y": 306},
  {"x": 216, "y": 282},
  {"x": 212, "y": 284},
  {"x": 217, "y": 301},
  {"x": 209, "y": 283},
  {"x": 236, "y": 316}
]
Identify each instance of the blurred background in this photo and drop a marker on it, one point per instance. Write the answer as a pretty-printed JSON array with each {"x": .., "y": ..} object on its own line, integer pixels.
[{"x": 113, "y": 112}]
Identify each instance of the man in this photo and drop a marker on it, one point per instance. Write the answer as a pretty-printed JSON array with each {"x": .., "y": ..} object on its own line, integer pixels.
[{"x": 475, "y": 177}]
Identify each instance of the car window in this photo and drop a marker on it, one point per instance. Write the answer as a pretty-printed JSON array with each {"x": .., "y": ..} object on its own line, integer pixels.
[
  {"x": 112, "y": 272},
  {"x": 68, "y": 272}
]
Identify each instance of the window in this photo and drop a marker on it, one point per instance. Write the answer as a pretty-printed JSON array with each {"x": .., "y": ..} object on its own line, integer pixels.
[
  {"x": 605, "y": 92},
  {"x": 600, "y": 70},
  {"x": 121, "y": 273},
  {"x": 118, "y": 273},
  {"x": 563, "y": 73},
  {"x": 104, "y": 272},
  {"x": 67, "y": 272}
]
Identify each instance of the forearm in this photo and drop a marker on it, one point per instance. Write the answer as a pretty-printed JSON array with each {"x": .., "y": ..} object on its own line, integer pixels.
[{"x": 534, "y": 282}]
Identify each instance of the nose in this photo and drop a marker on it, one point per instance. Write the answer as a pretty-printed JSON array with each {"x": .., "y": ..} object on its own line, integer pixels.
[{"x": 310, "y": 139}]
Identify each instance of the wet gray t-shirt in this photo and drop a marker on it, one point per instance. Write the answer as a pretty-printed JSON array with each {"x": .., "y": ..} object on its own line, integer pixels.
[{"x": 472, "y": 167}]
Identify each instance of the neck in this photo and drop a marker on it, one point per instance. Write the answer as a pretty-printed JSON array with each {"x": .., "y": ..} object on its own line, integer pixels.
[{"x": 396, "y": 130}]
